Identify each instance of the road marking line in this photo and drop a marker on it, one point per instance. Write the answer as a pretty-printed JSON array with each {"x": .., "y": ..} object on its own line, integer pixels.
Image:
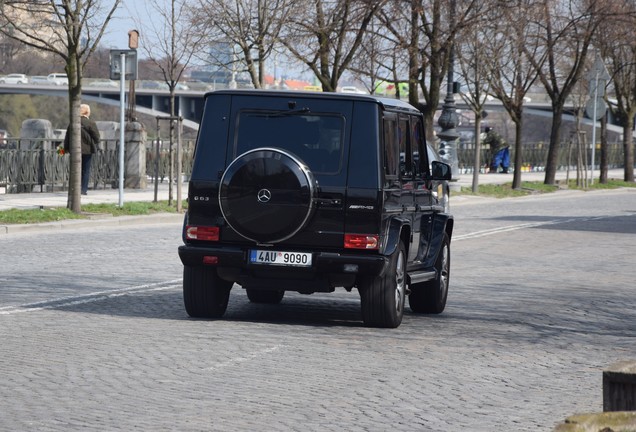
[
  {"x": 88, "y": 298},
  {"x": 492, "y": 231},
  {"x": 160, "y": 286}
]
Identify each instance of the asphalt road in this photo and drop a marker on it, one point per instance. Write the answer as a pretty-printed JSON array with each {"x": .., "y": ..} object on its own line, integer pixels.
[{"x": 94, "y": 335}]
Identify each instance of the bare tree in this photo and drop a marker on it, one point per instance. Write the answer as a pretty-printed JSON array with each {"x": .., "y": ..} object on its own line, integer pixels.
[
  {"x": 426, "y": 32},
  {"x": 578, "y": 142},
  {"x": 70, "y": 29},
  {"x": 566, "y": 30},
  {"x": 9, "y": 50},
  {"x": 472, "y": 57},
  {"x": 170, "y": 42},
  {"x": 616, "y": 39},
  {"x": 510, "y": 74},
  {"x": 17, "y": 57},
  {"x": 378, "y": 61},
  {"x": 99, "y": 64},
  {"x": 252, "y": 26},
  {"x": 326, "y": 35}
]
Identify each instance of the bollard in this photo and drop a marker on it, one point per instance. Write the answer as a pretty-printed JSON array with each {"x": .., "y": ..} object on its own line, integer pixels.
[{"x": 619, "y": 387}]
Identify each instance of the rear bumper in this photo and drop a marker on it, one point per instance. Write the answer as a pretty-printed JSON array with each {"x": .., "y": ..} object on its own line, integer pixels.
[{"x": 322, "y": 262}]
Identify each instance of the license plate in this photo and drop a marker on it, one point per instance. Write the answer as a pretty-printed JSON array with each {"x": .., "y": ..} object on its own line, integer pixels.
[{"x": 269, "y": 257}]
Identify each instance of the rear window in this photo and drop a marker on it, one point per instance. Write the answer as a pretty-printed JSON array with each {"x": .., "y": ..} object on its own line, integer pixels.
[{"x": 316, "y": 138}]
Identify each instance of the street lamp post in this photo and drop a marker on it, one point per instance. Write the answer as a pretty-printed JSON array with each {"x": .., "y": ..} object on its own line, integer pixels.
[{"x": 448, "y": 119}]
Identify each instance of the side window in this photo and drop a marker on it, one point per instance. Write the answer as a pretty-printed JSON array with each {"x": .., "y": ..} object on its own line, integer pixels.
[
  {"x": 391, "y": 152},
  {"x": 406, "y": 158},
  {"x": 418, "y": 147}
]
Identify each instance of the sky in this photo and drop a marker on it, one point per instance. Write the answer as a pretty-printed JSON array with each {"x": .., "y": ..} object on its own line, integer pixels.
[
  {"x": 116, "y": 36},
  {"x": 121, "y": 23}
]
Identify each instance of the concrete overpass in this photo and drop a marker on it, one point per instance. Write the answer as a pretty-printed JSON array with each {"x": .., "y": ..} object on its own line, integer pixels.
[
  {"x": 189, "y": 103},
  {"x": 153, "y": 102},
  {"x": 541, "y": 106}
]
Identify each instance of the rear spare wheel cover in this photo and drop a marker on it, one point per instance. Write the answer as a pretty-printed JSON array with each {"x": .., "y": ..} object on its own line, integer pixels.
[{"x": 266, "y": 195}]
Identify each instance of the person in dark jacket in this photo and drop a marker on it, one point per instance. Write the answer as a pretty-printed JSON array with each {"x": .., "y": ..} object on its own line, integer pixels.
[
  {"x": 90, "y": 140},
  {"x": 499, "y": 151}
]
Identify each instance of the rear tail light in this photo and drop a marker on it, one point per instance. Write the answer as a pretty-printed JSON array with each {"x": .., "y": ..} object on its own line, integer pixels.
[
  {"x": 205, "y": 233},
  {"x": 361, "y": 241}
]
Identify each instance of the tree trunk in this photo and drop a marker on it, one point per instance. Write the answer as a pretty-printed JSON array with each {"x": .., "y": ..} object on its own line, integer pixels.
[
  {"x": 477, "y": 157},
  {"x": 628, "y": 149},
  {"x": 261, "y": 67},
  {"x": 170, "y": 150},
  {"x": 555, "y": 140},
  {"x": 413, "y": 63},
  {"x": 603, "y": 162},
  {"x": 74, "y": 202},
  {"x": 432, "y": 96},
  {"x": 516, "y": 177}
]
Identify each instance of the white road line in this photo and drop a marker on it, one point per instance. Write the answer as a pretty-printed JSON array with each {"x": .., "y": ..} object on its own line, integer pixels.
[
  {"x": 88, "y": 298},
  {"x": 498, "y": 230},
  {"x": 508, "y": 228},
  {"x": 160, "y": 286}
]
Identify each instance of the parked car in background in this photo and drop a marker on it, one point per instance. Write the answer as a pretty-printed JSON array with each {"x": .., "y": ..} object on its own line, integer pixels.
[
  {"x": 3, "y": 138},
  {"x": 101, "y": 82},
  {"x": 152, "y": 85},
  {"x": 14, "y": 79},
  {"x": 40, "y": 80},
  {"x": 58, "y": 79},
  {"x": 352, "y": 89},
  {"x": 199, "y": 86}
]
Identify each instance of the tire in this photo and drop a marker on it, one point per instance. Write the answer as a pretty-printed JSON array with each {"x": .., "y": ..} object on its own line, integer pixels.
[
  {"x": 430, "y": 297},
  {"x": 267, "y": 195},
  {"x": 265, "y": 296},
  {"x": 382, "y": 297},
  {"x": 205, "y": 295}
]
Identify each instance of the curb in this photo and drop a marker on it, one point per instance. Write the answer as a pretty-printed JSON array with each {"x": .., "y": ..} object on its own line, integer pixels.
[
  {"x": 606, "y": 421},
  {"x": 92, "y": 221}
]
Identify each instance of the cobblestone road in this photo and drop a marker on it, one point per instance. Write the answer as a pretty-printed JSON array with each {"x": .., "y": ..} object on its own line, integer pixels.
[{"x": 94, "y": 335}]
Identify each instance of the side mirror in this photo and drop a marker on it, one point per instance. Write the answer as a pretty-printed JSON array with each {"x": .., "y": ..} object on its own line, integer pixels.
[{"x": 440, "y": 171}]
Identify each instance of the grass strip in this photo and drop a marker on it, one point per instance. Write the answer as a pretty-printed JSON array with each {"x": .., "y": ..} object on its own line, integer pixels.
[
  {"x": 505, "y": 190},
  {"x": 53, "y": 214}
]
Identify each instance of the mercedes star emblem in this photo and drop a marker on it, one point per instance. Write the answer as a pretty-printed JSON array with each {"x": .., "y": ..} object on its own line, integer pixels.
[{"x": 264, "y": 195}]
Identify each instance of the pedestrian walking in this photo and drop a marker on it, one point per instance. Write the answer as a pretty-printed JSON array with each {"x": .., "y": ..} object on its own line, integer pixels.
[
  {"x": 499, "y": 151},
  {"x": 90, "y": 140}
]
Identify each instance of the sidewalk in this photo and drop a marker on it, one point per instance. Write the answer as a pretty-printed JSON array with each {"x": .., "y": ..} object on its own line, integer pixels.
[
  {"x": 59, "y": 199},
  {"x": 466, "y": 180},
  {"x": 37, "y": 200},
  {"x": 98, "y": 196}
]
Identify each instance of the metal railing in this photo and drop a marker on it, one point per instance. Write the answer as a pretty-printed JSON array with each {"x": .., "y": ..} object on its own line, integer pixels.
[
  {"x": 33, "y": 165},
  {"x": 535, "y": 155},
  {"x": 162, "y": 168}
]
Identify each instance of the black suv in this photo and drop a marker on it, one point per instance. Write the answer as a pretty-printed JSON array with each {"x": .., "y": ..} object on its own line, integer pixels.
[{"x": 309, "y": 191}]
